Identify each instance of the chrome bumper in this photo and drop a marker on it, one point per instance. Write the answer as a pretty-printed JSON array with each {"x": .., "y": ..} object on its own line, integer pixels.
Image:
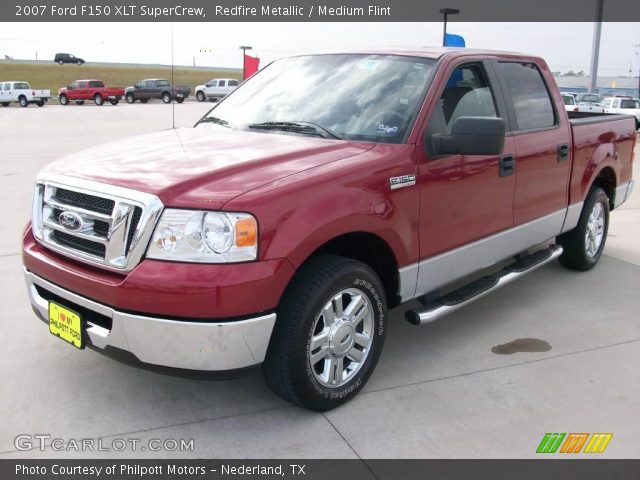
[
  {"x": 622, "y": 194},
  {"x": 169, "y": 343}
]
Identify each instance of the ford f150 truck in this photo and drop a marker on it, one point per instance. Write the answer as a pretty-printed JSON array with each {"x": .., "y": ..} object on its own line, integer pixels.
[
  {"x": 216, "y": 88},
  {"x": 22, "y": 93},
  {"x": 322, "y": 192},
  {"x": 82, "y": 90},
  {"x": 149, "y": 89}
]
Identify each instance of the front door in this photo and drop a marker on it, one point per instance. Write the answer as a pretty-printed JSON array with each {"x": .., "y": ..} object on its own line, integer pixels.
[{"x": 464, "y": 199}]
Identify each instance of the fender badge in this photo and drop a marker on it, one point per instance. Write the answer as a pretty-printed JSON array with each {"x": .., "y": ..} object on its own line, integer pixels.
[{"x": 402, "y": 181}]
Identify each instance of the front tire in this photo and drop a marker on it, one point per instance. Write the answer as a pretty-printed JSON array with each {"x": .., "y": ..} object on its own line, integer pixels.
[
  {"x": 329, "y": 333},
  {"x": 64, "y": 100},
  {"x": 129, "y": 98},
  {"x": 584, "y": 244},
  {"x": 200, "y": 96}
]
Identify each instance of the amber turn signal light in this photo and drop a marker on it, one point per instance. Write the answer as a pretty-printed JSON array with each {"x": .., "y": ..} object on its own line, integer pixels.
[{"x": 246, "y": 232}]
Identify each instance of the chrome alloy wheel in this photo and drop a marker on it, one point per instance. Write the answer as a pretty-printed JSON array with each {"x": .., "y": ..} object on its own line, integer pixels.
[
  {"x": 595, "y": 230},
  {"x": 342, "y": 337}
]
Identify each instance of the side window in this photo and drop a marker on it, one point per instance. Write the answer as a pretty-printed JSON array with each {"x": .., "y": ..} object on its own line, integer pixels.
[
  {"x": 82, "y": 84},
  {"x": 214, "y": 83},
  {"x": 616, "y": 102},
  {"x": 529, "y": 94},
  {"x": 467, "y": 93},
  {"x": 7, "y": 86},
  {"x": 73, "y": 85},
  {"x": 96, "y": 84},
  {"x": 233, "y": 83},
  {"x": 221, "y": 83},
  {"x": 606, "y": 103}
]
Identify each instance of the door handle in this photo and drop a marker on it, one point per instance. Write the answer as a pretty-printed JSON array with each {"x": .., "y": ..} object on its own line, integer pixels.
[
  {"x": 563, "y": 152},
  {"x": 507, "y": 165}
]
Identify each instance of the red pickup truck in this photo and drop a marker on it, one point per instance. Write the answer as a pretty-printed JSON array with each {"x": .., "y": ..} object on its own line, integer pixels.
[
  {"x": 324, "y": 191},
  {"x": 81, "y": 90}
]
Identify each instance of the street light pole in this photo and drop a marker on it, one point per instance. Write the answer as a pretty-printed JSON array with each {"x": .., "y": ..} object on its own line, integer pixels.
[
  {"x": 638, "y": 55},
  {"x": 595, "y": 49},
  {"x": 446, "y": 12},
  {"x": 244, "y": 49}
]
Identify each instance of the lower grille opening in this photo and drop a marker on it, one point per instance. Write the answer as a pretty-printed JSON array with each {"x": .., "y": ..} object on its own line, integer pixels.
[
  {"x": 86, "y": 246},
  {"x": 85, "y": 314}
]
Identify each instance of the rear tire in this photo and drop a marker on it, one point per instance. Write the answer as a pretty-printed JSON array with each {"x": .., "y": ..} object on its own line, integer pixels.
[
  {"x": 166, "y": 97},
  {"x": 5, "y": 104},
  {"x": 129, "y": 98},
  {"x": 98, "y": 99},
  {"x": 144, "y": 100},
  {"x": 23, "y": 101},
  {"x": 584, "y": 244},
  {"x": 179, "y": 100},
  {"x": 328, "y": 335},
  {"x": 200, "y": 96},
  {"x": 60, "y": 62},
  {"x": 114, "y": 101},
  {"x": 79, "y": 102},
  {"x": 63, "y": 100},
  {"x": 79, "y": 62},
  {"x": 40, "y": 103}
]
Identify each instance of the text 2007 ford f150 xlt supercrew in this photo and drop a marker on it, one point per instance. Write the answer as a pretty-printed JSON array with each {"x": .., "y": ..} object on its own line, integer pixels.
[{"x": 323, "y": 191}]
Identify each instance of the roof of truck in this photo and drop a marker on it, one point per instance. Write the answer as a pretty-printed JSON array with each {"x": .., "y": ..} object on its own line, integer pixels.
[{"x": 428, "y": 52}]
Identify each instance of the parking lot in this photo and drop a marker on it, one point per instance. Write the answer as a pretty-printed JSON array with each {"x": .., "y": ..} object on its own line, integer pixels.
[{"x": 440, "y": 391}]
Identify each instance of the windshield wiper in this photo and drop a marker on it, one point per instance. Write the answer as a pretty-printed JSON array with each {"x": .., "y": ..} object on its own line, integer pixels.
[
  {"x": 219, "y": 121},
  {"x": 297, "y": 127}
]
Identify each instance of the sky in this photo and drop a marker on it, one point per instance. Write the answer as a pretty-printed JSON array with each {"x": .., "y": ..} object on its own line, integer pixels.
[{"x": 565, "y": 46}]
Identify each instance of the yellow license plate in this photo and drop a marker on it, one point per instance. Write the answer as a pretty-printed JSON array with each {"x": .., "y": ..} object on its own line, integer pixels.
[{"x": 65, "y": 324}]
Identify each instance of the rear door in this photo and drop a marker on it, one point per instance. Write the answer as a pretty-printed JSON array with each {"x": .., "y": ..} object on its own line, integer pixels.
[
  {"x": 10, "y": 92},
  {"x": 464, "y": 199},
  {"x": 542, "y": 144}
]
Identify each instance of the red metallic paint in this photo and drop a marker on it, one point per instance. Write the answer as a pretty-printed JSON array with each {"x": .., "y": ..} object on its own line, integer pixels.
[
  {"x": 185, "y": 290},
  {"x": 306, "y": 191}
]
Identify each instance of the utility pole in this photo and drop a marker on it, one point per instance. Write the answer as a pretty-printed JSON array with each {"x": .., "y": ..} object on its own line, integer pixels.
[
  {"x": 595, "y": 49},
  {"x": 638, "y": 56},
  {"x": 446, "y": 12},
  {"x": 244, "y": 49}
]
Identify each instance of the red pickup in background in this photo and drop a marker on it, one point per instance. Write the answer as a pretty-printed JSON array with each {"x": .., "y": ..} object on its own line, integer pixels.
[{"x": 81, "y": 90}]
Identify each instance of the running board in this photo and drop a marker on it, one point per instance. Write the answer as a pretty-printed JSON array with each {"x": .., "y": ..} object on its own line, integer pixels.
[{"x": 439, "y": 307}]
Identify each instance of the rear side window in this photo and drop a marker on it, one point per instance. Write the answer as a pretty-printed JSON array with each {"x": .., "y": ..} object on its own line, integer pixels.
[
  {"x": 96, "y": 84},
  {"x": 221, "y": 83},
  {"x": 21, "y": 86},
  {"x": 7, "y": 86},
  {"x": 233, "y": 83},
  {"x": 630, "y": 104},
  {"x": 529, "y": 94}
]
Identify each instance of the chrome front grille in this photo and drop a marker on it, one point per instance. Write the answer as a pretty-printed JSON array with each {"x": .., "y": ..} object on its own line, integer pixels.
[{"x": 94, "y": 222}]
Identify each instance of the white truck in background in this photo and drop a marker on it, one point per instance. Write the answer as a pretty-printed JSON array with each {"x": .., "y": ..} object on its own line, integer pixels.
[
  {"x": 22, "y": 93},
  {"x": 624, "y": 105},
  {"x": 216, "y": 89}
]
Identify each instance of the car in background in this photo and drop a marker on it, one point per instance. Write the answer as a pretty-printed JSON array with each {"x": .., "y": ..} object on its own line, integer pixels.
[
  {"x": 156, "y": 88},
  {"x": 589, "y": 102},
  {"x": 81, "y": 90},
  {"x": 216, "y": 88},
  {"x": 625, "y": 105},
  {"x": 570, "y": 104},
  {"x": 22, "y": 93},
  {"x": 62, "y": 58}
]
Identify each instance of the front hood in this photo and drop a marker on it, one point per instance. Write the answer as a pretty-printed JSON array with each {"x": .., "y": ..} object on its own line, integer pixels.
[{"x": 204, "y": 166}]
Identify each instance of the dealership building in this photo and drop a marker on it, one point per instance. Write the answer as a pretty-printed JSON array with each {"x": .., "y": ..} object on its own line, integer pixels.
[{"x": 604, "y": 86}]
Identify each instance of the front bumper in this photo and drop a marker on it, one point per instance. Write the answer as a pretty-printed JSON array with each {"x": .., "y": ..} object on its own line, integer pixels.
[{"x": 205, "y": 346}]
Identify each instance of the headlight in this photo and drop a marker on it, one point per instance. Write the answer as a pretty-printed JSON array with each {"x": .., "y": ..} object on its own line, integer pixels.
[{"x": 206, "y": 237}]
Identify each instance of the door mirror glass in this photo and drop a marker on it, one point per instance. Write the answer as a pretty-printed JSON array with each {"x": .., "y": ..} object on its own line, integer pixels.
[{"x": 470, "y": 136}]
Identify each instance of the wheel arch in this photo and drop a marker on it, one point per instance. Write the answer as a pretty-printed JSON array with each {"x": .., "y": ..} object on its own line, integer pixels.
[{"x": 372, "y": 250}]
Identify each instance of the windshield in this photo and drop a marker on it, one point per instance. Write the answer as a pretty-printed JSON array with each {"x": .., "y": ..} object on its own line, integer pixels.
[
  {"x": 630, "y": 104},
  {"x": 568, "y": 100},
  {"x": 357, "y": 97}
]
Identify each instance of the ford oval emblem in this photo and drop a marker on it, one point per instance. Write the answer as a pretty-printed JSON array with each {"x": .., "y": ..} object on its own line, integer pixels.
[{"x": 70, "y": 221}]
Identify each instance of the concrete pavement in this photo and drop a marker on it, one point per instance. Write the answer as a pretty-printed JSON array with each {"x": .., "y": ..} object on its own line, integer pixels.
[{"x": 438, "y": 392}]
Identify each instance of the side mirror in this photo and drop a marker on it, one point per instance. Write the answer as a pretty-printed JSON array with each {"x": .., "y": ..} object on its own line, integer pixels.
[{"x": 470, "y": 136}]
